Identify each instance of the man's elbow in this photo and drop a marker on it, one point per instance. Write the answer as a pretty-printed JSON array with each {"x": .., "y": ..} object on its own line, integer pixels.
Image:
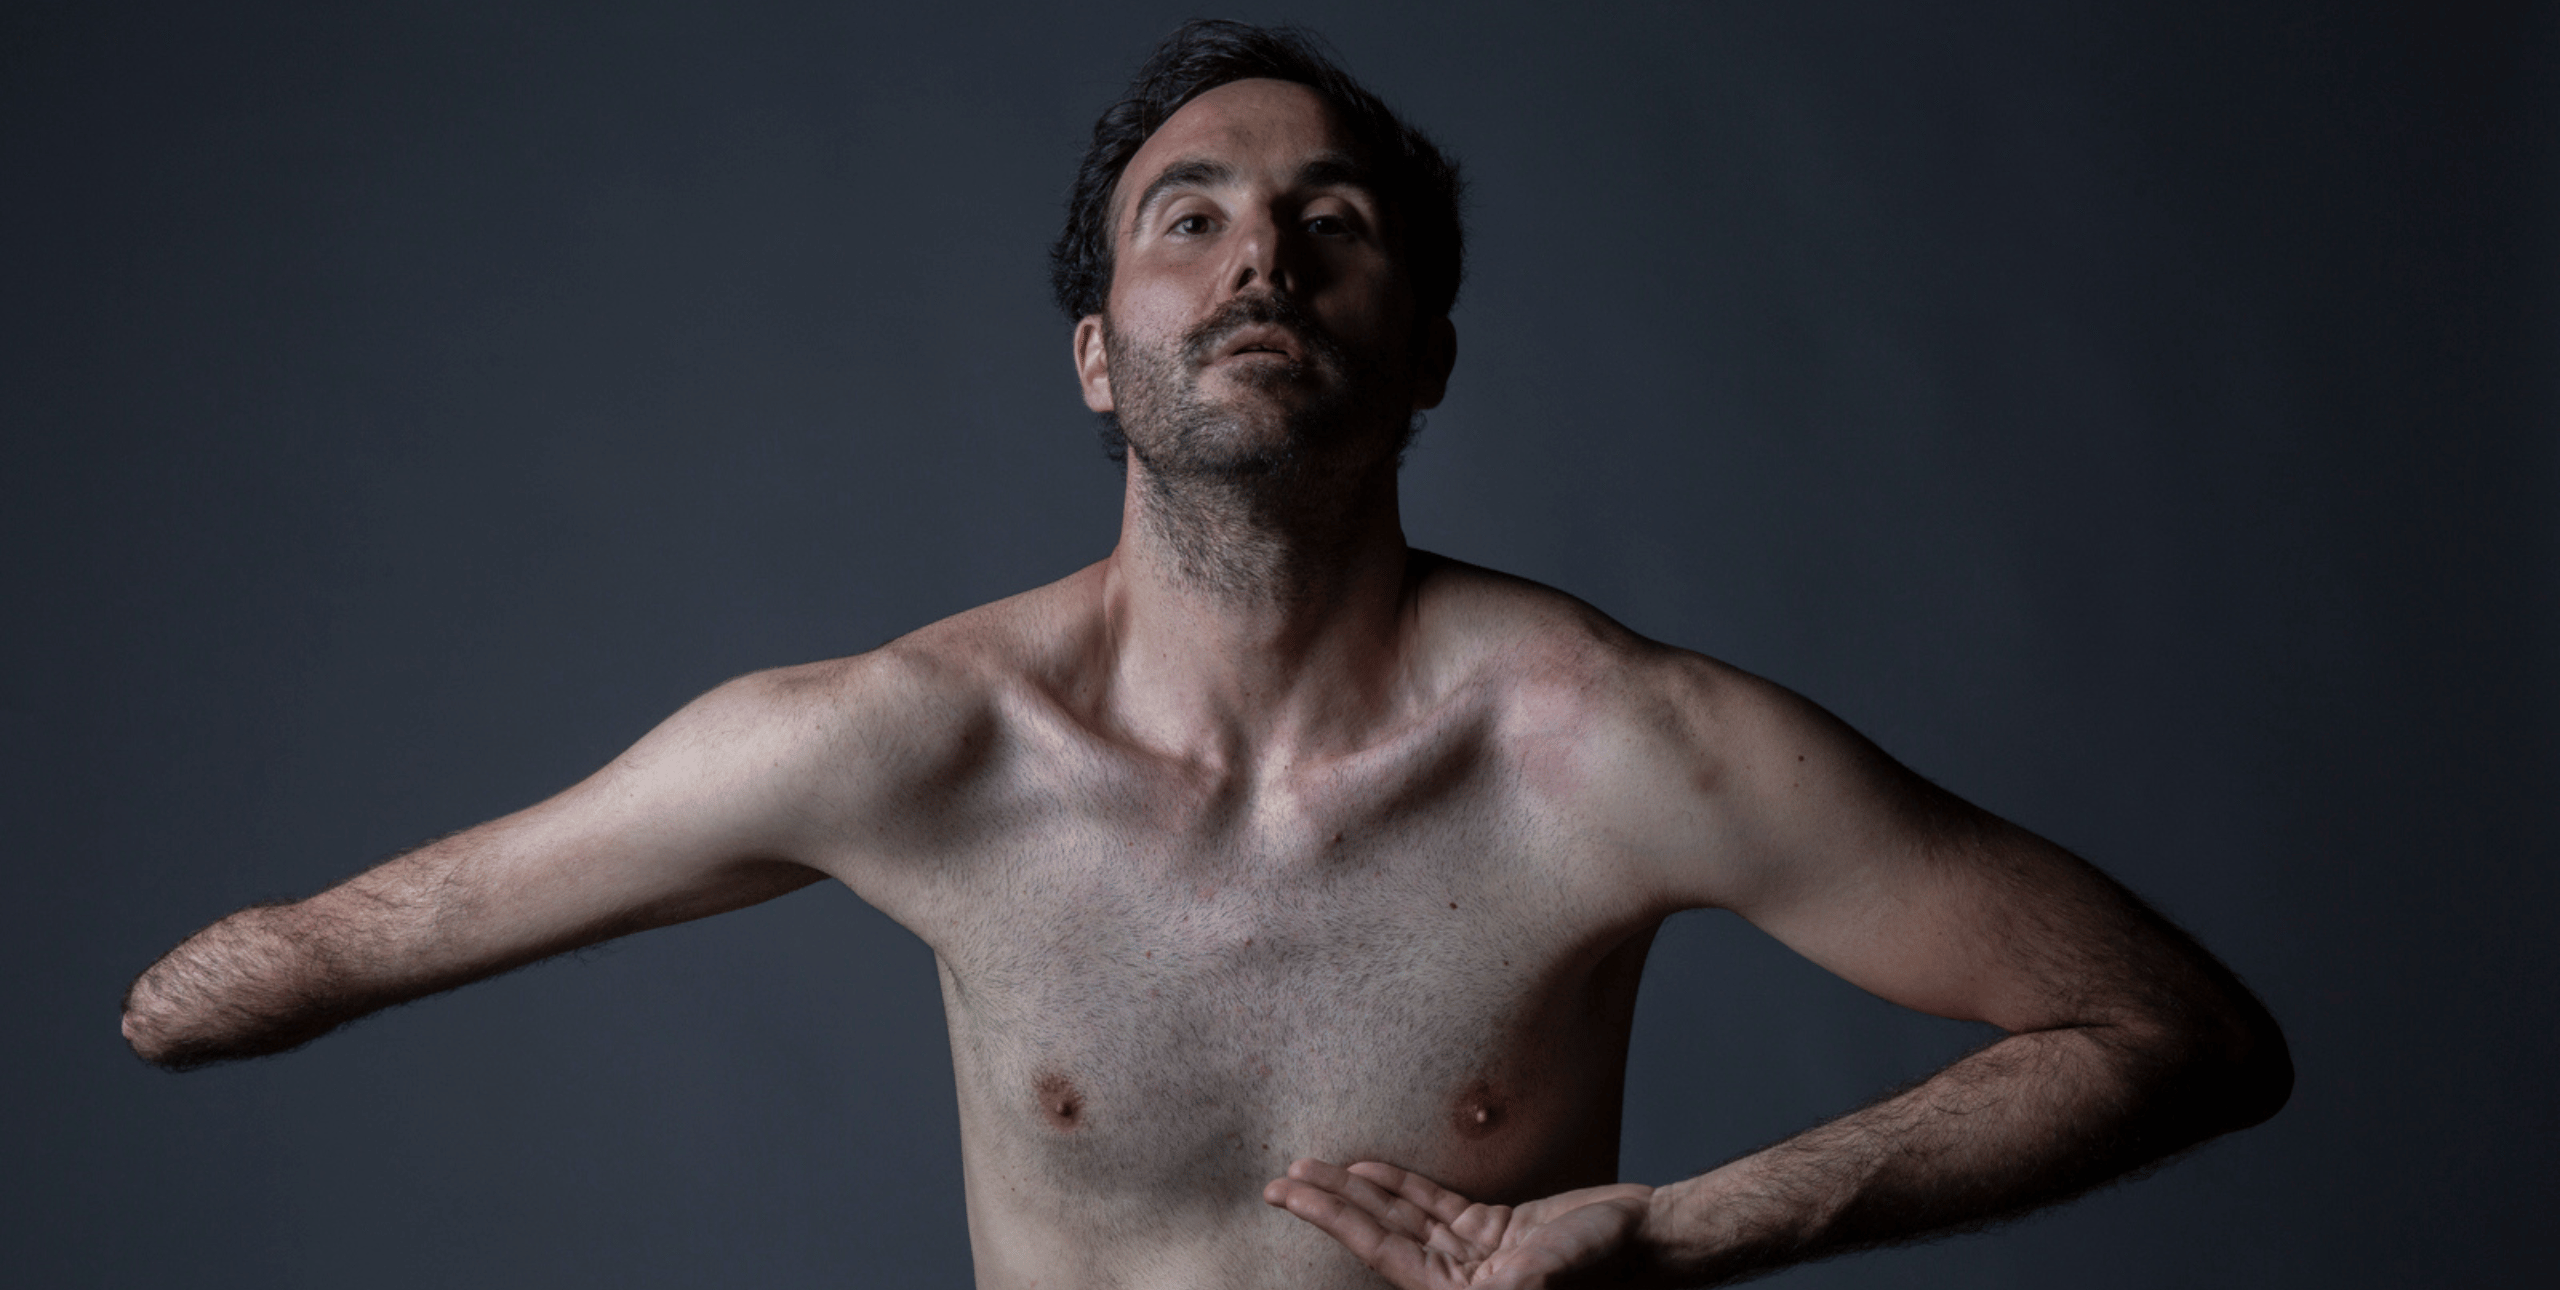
[
  {"x": 2228, "y": 1075},
  {"x": 2258, "y": 1074}
]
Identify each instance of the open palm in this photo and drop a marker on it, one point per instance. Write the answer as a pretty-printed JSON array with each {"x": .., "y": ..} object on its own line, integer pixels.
[{"x": 1423, "y": 1236}]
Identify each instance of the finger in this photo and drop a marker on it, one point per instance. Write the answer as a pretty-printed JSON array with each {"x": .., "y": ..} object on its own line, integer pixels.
[
  {"x": 1390, "y": 1209},
  {"x": 1392, "y": 1255},
  {"x": 1475, "y": 1226},
  {"x": 1434, "y": 1199}
]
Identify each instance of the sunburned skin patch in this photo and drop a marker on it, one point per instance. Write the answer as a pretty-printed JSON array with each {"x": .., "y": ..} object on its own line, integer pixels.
[
  {"x": 1478, "y": 1112},
  {"x": 1061, "y": 1102}
]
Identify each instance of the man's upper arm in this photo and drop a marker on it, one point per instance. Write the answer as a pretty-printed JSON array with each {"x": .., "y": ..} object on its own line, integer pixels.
[
  {"x": 704, "y": 814},
  {"x": 1814, "y": 835}
]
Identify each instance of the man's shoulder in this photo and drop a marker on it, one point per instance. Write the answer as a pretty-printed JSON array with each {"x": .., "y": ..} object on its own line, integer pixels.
[
  {"x": 1549, "y": 647},
  {"x": 921, "y": 694},
  {"x": 1621, "y": 750},
  {"x": 1589, "y": 701}
]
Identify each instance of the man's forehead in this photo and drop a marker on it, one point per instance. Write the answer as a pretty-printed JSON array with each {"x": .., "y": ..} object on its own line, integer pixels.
[{"x": 1239, "y": 126}]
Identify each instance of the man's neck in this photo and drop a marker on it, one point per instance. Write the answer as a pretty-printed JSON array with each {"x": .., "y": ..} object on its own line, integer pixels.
[{"x": 1251, "y": 631}]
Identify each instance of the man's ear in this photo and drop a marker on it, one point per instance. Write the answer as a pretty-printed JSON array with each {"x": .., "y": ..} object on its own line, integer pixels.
[
  {"x": 1093, "y": 363},
  {"x": 1431, "y": 366}
]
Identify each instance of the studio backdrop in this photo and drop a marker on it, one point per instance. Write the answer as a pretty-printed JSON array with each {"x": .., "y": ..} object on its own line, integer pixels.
[{"x": 2139, "y": 418}]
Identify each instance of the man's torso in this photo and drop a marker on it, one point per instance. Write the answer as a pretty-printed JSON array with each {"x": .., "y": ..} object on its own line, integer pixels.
[{"x": 1166, "y": 980}]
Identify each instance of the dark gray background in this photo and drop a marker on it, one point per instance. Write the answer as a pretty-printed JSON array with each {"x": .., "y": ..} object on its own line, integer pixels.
[{"x": 2138, "y": 417}]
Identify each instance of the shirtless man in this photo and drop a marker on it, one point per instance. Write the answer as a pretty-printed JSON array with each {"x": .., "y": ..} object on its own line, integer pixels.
[{"x": 1289, "y": 886}]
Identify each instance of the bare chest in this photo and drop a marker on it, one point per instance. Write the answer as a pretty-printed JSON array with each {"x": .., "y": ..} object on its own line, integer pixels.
[{"x": 1154, "y": 1010}]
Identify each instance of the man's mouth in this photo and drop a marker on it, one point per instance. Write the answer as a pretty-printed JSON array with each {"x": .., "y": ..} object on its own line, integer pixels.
[{"x": 1262, "y": 338}]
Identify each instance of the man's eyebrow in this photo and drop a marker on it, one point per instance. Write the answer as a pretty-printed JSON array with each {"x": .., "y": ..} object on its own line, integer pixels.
[
  {"x": 1337, "y": 170},
  {"x": 1191, "y": 173},
  {"x": 1324, "y": 170}
]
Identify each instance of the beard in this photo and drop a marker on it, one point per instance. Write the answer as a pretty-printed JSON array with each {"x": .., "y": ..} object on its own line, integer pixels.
[
  {"x": 1250, "y": 493},
  {"x": 1180, "y": 432}
]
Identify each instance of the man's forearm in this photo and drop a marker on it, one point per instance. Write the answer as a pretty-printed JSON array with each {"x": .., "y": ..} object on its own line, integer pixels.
[
  {"x": 254, "y": 983},
  {"x": 273, "y": 977},
  {"x": 2031, "y": 1120}
]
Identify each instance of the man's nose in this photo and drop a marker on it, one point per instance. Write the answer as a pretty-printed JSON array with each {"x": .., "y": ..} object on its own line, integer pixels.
[{"x": 1261, "y": 254}]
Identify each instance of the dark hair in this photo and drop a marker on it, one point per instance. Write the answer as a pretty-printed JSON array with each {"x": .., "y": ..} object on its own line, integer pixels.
[{"x": 1417, "y": 184}]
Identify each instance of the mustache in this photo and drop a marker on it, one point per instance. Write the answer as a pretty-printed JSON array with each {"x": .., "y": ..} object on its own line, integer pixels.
[{"x": 1202, "y": 343}]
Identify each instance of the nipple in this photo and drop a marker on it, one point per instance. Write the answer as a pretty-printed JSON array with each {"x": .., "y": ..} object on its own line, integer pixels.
[
  {"x": 1061, "y": 1102},
  {"x": 1477, "y": 1113}
]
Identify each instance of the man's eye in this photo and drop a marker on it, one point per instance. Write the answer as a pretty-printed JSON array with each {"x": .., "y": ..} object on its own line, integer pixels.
[
  {"x": 1191, "y": 225},
  {"x": 1328, "y": 226}
]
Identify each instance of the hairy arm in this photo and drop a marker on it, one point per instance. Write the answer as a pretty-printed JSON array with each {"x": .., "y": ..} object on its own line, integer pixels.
[
  {"x": 2127, "y": 1041},
  {"x": 701, "y": 816}
]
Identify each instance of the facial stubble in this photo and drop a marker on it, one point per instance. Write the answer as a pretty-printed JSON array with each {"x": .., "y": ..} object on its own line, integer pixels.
[{"x": 1249, "y": 491}]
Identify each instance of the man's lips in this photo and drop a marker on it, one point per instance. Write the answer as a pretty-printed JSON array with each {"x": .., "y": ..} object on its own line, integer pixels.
[{"x": 1262, "y": 339}]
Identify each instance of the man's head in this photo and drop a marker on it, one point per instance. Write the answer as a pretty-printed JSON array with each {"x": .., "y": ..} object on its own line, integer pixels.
[{"x": 1291, "y": 202}]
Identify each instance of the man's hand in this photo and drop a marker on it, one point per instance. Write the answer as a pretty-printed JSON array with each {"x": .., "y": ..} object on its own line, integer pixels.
[{"x": 1423, "y": 1236}]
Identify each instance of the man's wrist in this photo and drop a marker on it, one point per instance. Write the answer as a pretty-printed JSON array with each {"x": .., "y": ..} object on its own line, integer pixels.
[
  {"x": 1668, "y": 1239},
  {"x": 1704, "y": 1231}
]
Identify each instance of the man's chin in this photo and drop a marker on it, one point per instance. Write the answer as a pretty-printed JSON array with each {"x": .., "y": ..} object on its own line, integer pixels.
[
  {"x": 1244, "y": 430},
  {"x": 1251, "y": 389},
  {"x": 1225, "y": 452}
]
